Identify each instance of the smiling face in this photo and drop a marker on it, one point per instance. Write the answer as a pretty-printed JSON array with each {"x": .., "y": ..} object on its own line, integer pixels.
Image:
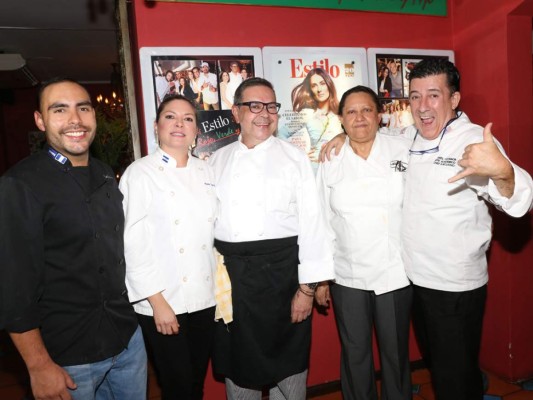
[
  {"x": 360, "y": 118},
  {"x": 432, "y": 104},
  {"x": 256, "y": 128},
  {"x": 225, "y": 77},
  {"x": 67, "y": 117},
  {"x": 176, "y": 127},
  {"x": 319, "y": 88}
]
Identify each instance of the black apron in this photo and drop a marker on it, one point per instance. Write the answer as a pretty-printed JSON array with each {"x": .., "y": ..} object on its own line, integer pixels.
[{"x": 261, "y": 346}]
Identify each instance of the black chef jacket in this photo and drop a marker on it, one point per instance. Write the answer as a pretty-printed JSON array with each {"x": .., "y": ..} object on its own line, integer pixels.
[{"x": 62, "y": 263}]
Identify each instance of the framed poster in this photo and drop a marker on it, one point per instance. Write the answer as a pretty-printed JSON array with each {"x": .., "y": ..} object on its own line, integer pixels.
[
  {"x": 309, "y": 83},
  {"x": 208, "y": 76},
  {"x": 389, "y": 77}
]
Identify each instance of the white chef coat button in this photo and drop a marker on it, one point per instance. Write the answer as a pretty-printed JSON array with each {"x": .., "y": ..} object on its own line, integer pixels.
[
  {"x": 182, "y": 250},
  {"x": 204, "y": 247},
  {"x": 172, "y": 193},
  {"x": 261, "y": 233},
  {"x": 236, "y": 234},
  {"x": 161, "y": 168},
  {"x": 184, "y": 279},
  {"x": 207, "y": 278},
  {"x": 177, "y": 222}
]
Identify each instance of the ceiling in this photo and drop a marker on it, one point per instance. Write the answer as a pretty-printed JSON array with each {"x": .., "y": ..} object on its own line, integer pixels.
[{"x": 70, "y": 38}]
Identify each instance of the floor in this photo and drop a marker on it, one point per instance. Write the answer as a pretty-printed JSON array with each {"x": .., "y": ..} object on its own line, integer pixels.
[
  {"x": 497, "y": 389},
  {"x": 14, "y": 382}
]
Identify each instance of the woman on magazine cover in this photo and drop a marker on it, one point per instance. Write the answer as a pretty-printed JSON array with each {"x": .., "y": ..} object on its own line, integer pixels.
[
  {"x": 170, "y": 209},
  {"x": 315, "y": 99}
]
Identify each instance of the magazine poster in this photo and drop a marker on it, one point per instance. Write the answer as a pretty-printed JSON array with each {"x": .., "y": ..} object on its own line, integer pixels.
[
  {"x": 309, "y": 84},
  {"x": 389, "y": 71},
  {"x": 206, "y": 76}
]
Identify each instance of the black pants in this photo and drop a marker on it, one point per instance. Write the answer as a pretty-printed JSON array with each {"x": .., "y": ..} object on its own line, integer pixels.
[
  {"x": 448, "y": 327},
  {"x": 181, "y": 360}
]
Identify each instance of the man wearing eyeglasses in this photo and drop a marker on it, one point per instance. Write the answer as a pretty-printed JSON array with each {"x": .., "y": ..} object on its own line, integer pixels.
[
  {"x": 455, "y": 168},
  {"x": 271, "y": 234}
]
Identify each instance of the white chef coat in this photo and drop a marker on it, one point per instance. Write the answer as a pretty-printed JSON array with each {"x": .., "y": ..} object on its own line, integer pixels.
[
  {"x": 269, "y": 192},
  {"x": 209, "y": 97},
  {"x": 363, "y": 200},
  {"x": 446, "y": 227},
  {"x": 170, "y": 214}
]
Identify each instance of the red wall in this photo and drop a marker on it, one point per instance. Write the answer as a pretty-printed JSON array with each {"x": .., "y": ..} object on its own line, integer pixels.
[
  {"x": 492, "y": 39},
  {"x": 493, "y": 55}
]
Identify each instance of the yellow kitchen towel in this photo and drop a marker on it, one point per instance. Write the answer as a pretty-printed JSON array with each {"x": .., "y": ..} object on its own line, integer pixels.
[{"x": 224, "y": 308}]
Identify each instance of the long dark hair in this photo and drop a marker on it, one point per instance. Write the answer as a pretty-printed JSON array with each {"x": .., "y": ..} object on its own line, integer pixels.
[{"x": 302, "y": 95}]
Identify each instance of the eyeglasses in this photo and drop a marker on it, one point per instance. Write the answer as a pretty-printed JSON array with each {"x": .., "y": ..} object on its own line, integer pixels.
[
  {"x": 436, "y": 148},
  {"x": 257, "y": 106}
]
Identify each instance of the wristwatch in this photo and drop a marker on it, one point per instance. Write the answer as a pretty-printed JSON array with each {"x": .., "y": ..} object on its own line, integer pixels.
[{"x": 311, "y": 286}]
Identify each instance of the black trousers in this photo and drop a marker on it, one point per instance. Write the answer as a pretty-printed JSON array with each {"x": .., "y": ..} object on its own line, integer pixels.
[
  {"x": 181, "y": 360},
  {"x": 448, "y": 328}
]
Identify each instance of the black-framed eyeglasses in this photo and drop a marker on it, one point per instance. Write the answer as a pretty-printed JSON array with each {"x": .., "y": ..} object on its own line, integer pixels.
[
  {"x": 257, "y": 106},
  {"x": 436, "y": 148}
]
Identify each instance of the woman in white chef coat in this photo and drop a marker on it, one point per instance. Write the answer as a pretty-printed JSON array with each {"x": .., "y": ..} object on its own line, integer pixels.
[
  {"x": 362, "y": 191},
  {"x": 170, "y": 209}
]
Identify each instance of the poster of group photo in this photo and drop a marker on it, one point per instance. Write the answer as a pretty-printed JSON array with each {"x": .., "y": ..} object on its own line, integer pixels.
[
  {"x": 389, "y": 71},
  {"x": 206, "y": 76},
  {"x": 309, "y": 84}
]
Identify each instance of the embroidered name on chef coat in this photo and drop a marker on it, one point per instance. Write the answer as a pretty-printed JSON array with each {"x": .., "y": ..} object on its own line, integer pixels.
[{"x": 447, "y": 162}]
